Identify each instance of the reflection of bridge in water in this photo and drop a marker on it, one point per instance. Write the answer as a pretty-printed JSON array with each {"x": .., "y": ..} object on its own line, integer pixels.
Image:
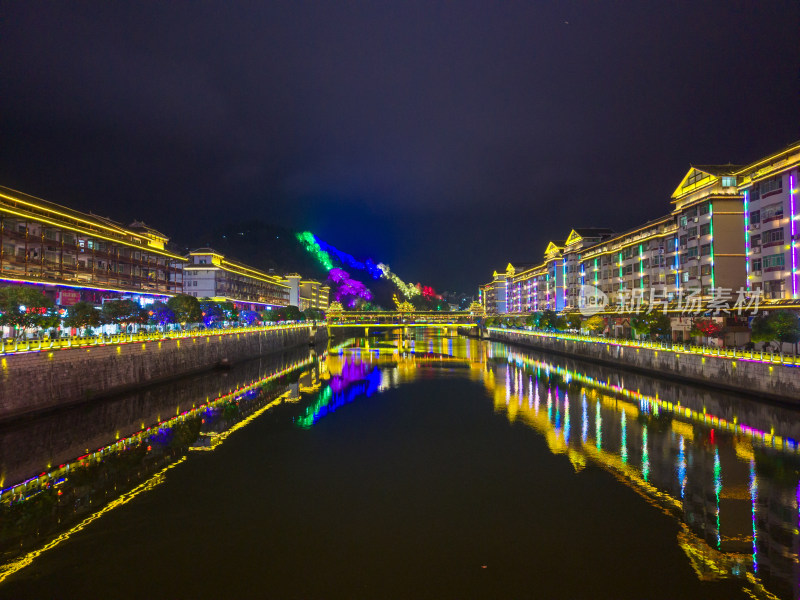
[{"x": 725, "y": 468}]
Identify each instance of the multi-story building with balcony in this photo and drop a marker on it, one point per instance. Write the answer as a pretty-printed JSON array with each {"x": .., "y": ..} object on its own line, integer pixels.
[
  {"x": 709, "y": 213},
  {"x": 553, "y": 284},
  {"x": 732, "y": 227},
  {"x": 78, "y": 256},
  {"x": 638, "y": 259},
  {"x": 307, "y": 293},
  {"x": 210, "y": 275},
  {"x": 494, "y": 295},
  {"x": 769, "y": 191}
]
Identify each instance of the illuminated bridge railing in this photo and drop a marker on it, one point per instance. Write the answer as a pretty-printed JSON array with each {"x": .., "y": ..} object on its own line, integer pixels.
[
  {"x": 400, "y": 319},
  {"x": 12, "y": 346}
]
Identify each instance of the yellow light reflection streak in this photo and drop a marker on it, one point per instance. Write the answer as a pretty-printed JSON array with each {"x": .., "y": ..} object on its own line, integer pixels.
[{"x": 22, "y": 562}]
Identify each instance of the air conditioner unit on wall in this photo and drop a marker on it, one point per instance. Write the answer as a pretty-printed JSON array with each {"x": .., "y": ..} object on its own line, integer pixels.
[{"x": 756, "y": 226}]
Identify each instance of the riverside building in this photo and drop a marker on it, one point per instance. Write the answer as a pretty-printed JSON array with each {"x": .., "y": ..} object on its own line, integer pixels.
[
  {"x": 731, "y": 227},
  {"x": 210, "y": 275},
  {"x": 307, "y": 293},
  {"x": 78, "y": 256}
]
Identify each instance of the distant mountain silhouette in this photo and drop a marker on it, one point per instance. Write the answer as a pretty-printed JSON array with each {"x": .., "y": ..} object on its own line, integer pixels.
[
  {"x": 262, "y": 246},
  {"x": 265, "y": 247}
]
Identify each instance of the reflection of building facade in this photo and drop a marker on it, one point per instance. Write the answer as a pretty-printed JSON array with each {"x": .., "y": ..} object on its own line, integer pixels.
[
  {"x": 738, "y": 517},
  {"x": 211, "y": 275},
  {"x": 776, "y": 546},
  {"x": 730, "y": 227},
  {"x": 82, "y": 256}
]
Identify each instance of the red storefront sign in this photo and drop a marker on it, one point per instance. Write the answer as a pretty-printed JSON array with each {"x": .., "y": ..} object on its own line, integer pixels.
[{"x": 68, "y": 297}]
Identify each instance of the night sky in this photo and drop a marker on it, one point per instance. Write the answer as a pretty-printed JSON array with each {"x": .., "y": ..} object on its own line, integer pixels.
[{"x": 445, "y": 138}]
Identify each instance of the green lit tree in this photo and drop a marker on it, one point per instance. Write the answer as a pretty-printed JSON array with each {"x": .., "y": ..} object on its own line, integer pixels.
[
  {"x": 186, "y": 309},
  {"x": 574, "y": 321},
  {"x": 549, "y": 320},
  {"x": 81, "y": 315},
  {"x": 780, "y": 326},
  {"x": 123, "y": 313},
  {"x": 761, "y": 329},
  {"x": 292, "y": 313},
  {"x": 230, "y": 312},
  {"x": 653, "y": 324},
  {"x": 786, "y": 326},
  {"x": 22, "y": 307},
  {"x": 314, "y": 314}
]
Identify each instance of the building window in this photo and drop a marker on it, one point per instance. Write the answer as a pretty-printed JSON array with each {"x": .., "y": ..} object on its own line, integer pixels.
[
  {"x": 755, "y": 217},
  {"x": 771, "y": 186},
  {"x": 683, "y": 221},
  {"x": 696, "y": 177},
  {"x": 705, "y": 250},
  {"x": 757, "y": 264},
  {"x": 772, "y": 237},
  {"x": 705, "y": 229},
  {"x": 773, "y": 263},
  {"x": 705, "y": 270},
  {"x": 692, "y": 252},
  {"x": 755, "y": 241},
  {"x": 772, "y": 212},
  {"x": 704, "y": 208},
  {"x": 773, "y": 289},
  {"x": 683, "y": 240},
  {"x": 728, "y": 181},
  {"x": 692, "y": 232}
]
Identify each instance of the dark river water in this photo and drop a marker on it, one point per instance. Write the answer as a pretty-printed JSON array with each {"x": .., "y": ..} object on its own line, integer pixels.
[{"x": 434, "y": 466}]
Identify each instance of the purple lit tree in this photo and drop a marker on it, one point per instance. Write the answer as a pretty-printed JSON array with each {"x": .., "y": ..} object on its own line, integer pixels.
[{"x": 349, "y": 291}]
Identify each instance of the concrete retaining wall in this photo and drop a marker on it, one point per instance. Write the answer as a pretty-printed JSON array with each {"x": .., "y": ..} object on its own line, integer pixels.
[
  {"x": 29, "y": 445},
  {"x": 38, "y": 381},
  {"x": 776, "y": 382}
]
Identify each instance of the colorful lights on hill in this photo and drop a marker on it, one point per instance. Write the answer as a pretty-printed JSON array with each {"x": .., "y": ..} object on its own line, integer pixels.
[
  {"x": 407, "y": 290},
  {"x": 325, "y": 253},
  {"x": 309, "y": 242},
  {"x": 346, "y": 259},
  {"x": 349, "y": 290}
]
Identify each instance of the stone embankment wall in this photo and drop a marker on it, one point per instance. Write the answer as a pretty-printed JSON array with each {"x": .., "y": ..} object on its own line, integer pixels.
[
  {"x": 28, "y": 445},
  {"x": 777, "y": 382},
  {"x": 32, "y": 382}
]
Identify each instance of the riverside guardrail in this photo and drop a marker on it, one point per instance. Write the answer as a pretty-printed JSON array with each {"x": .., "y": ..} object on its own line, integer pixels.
[
  {"x": 750, "y": 355},
  {"x": 772, "y": 376},
  {"x": 35, "y": 377},
  {"x": 14, "y": 346}
]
